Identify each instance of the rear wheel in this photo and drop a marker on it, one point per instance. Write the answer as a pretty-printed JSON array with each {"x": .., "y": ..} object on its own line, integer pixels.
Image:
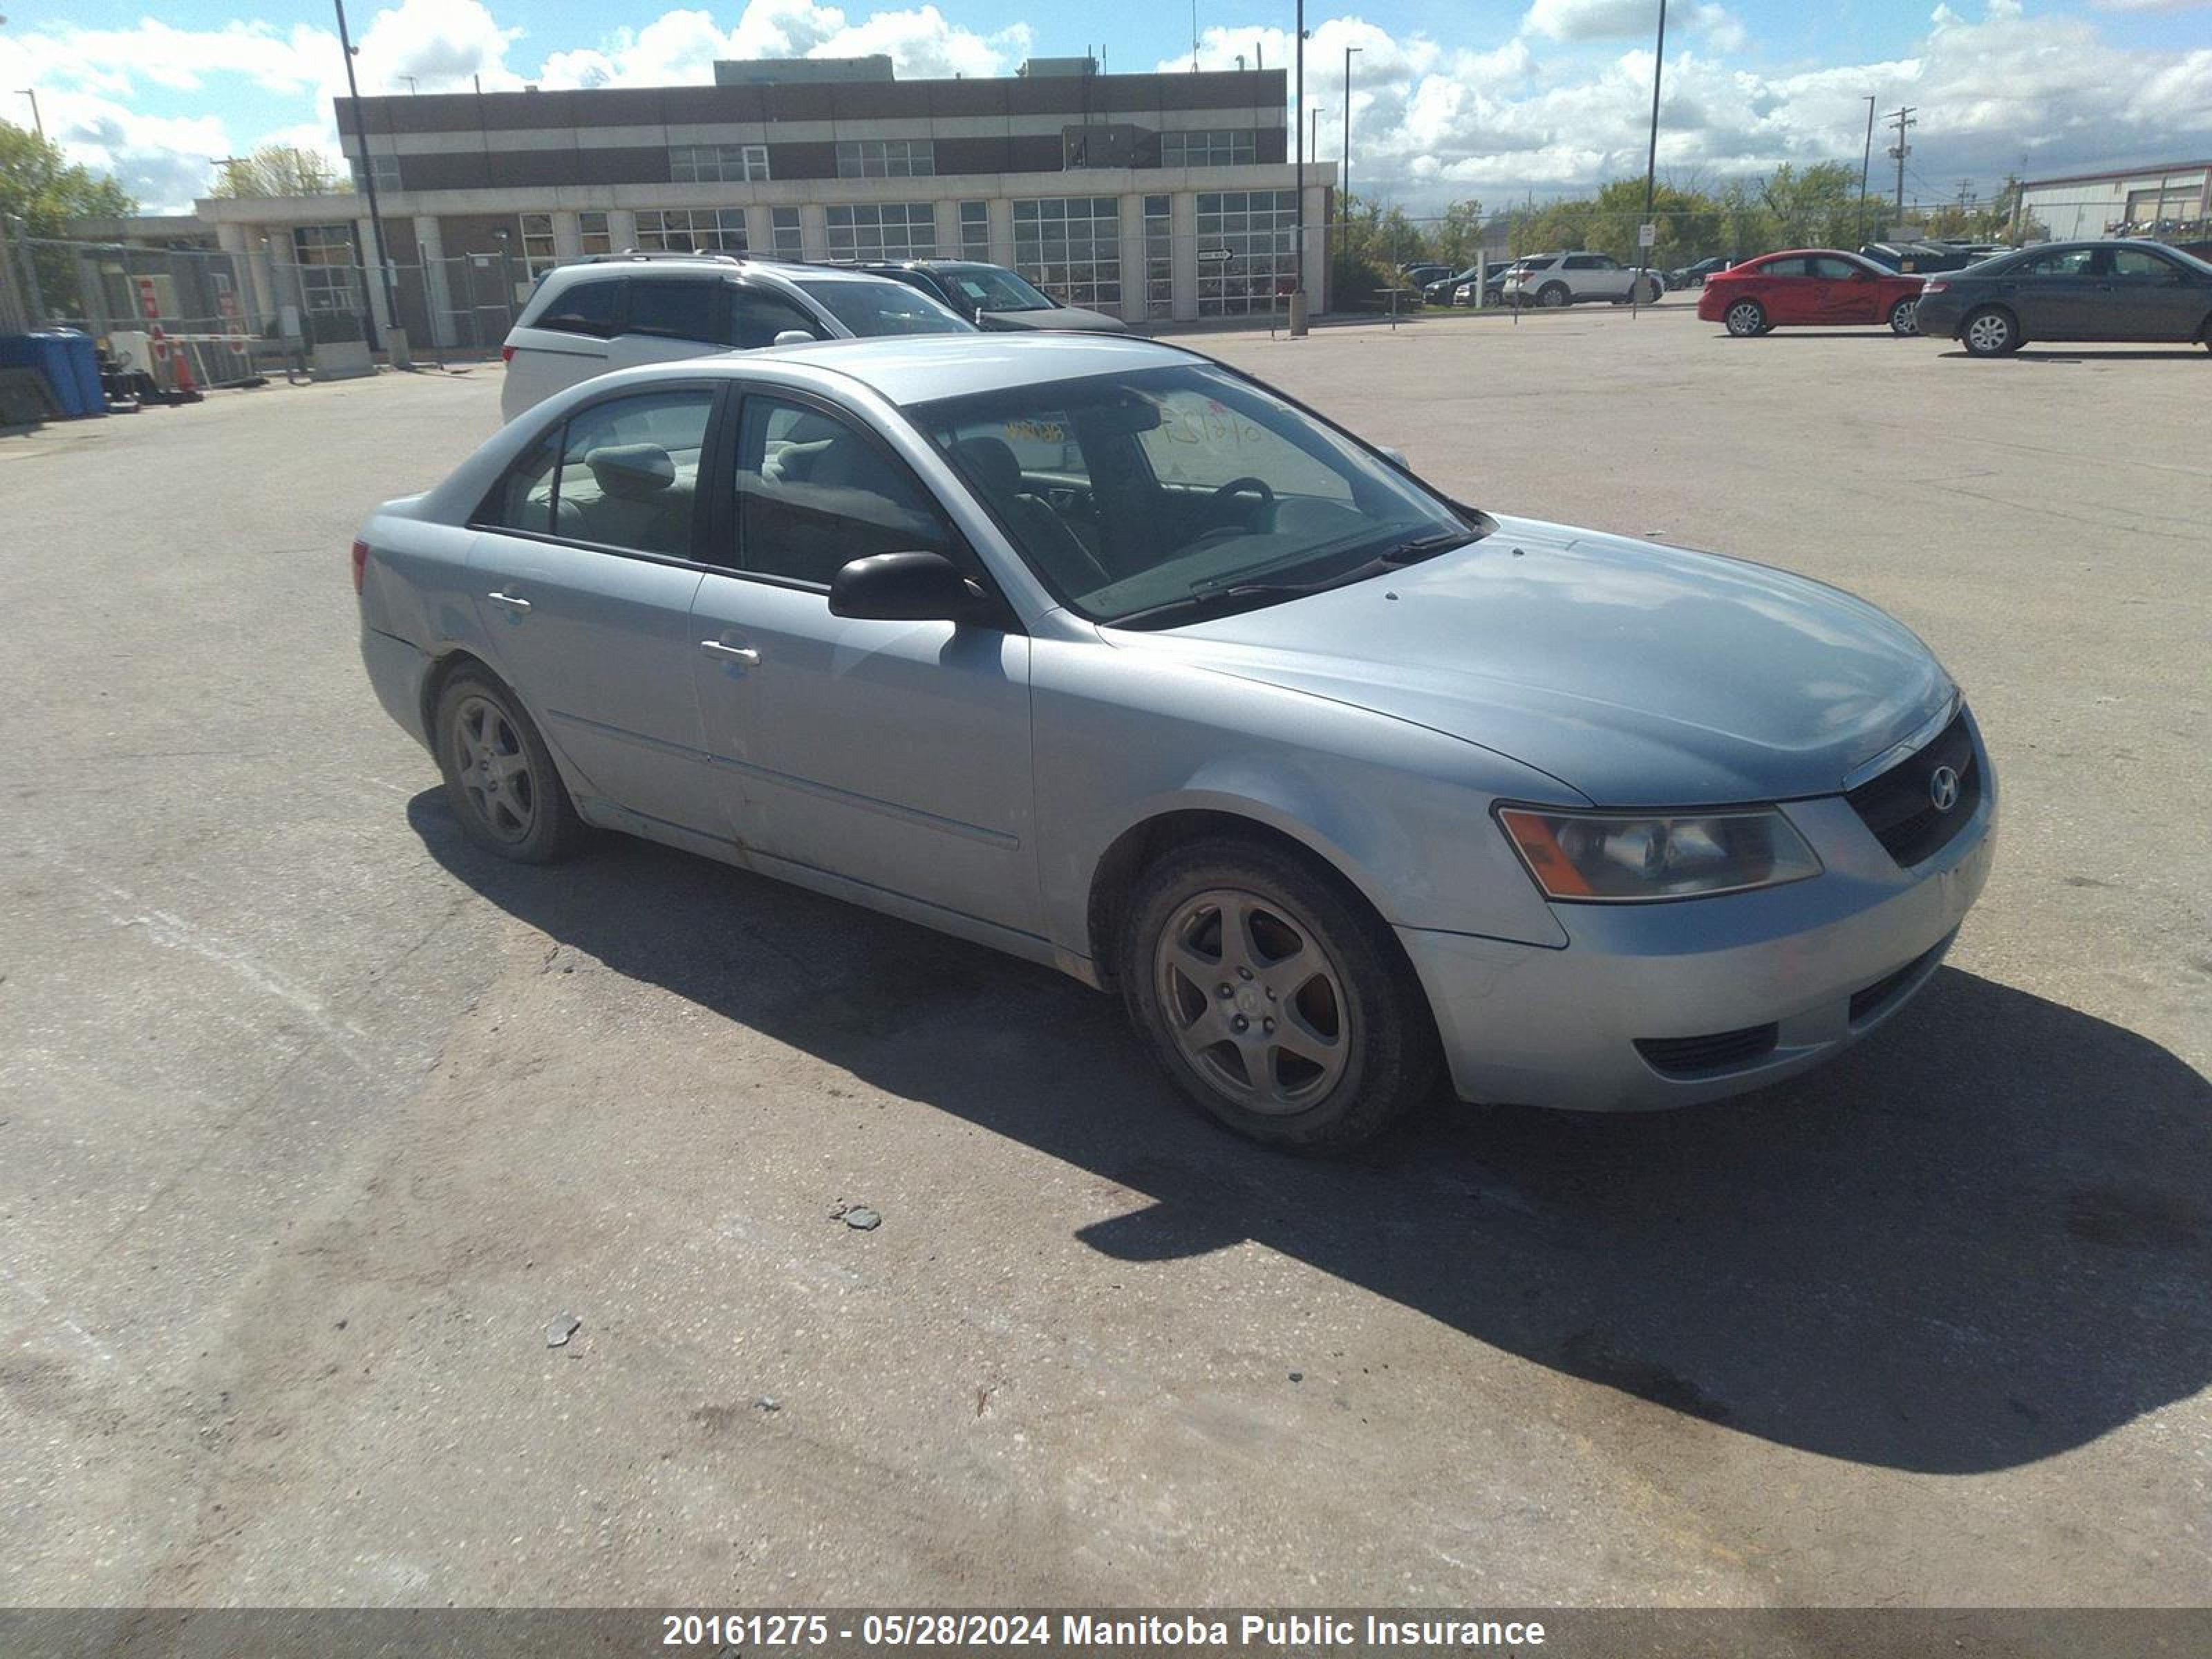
[
  {"x": 1274, "y": 997},
  {"x": 1904, "y": 318},
  {"x": 1747, "y": 317},
  {"x": 1553, "y": 294},
  {"x": 1991, "y": 332},
  {"x": 500, "y": 777}
]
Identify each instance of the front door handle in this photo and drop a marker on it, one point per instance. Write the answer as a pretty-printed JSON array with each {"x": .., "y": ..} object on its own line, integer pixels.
[
  {"x": 511, "y": 601},
  {"x": 744, "y": 653}
]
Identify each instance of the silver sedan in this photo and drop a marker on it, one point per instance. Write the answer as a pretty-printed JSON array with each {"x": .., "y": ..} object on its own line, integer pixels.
[{"x": 1094, "y": 650}]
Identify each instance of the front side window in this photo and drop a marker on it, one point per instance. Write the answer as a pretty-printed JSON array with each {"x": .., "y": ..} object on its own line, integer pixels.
[
  {"x": 870, "y": 308},
  {"x": 621, "y": 474},
  {"x": 671, "y": 308},
  {"x": 1147, "y": 498},
  {"x": 815, "y": 493},
  {"x": 1833, "y": 270},
  {"x": 2134, "y": 263}
]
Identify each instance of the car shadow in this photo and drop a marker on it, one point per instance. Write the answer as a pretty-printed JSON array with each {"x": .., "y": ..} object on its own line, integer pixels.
[
  {"x": 2030, "y": 355},
  {"x": 1979, "y": 1239}
]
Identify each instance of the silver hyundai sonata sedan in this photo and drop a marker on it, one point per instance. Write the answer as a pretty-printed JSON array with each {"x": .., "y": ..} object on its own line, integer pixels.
[{"x": 1099, "y": 652}]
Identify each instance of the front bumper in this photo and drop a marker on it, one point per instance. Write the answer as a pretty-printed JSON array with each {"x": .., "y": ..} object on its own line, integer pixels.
[{"x": 1561, "y": 1028}]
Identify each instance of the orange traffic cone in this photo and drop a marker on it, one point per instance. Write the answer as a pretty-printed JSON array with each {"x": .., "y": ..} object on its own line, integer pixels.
[{"x": 185, "y": 385}]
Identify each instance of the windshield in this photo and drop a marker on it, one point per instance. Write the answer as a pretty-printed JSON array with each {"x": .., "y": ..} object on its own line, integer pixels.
[
  {"x": 884, "y": 307},
  {"x": 1151, "y": 496},
  {"x": 993, "y": 287}
]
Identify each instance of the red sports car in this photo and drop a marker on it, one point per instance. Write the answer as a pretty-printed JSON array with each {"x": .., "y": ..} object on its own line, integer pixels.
[{"x": 1818, "y": 287}]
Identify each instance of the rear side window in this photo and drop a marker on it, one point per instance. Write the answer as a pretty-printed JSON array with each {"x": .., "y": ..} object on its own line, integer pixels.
[
  {"x": 674, "y": 310},
  {"x": 1834, "y": 270},
  {"x": 758, "y": 316},
  {"x": 2066, "y": 262},
  {"x": 1786, "y": 268},
  {"x": 592, "y": 307},
  {"x": 623, "y": 473}
]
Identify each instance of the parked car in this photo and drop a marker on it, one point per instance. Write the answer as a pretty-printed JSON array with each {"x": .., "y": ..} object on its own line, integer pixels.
[
  {"x": 1493, "y": 288},
  {"x": 1565, "y": 279},
  {"x": 1420, "y": 276},
  {"x": 1694, "y": 276},
  {"x": 618, "y": 311},
  {"x": 1440, "y": 292},
  {"x": 1809, "y": 288},
  {"x": 1911, "y": 257},
  {"x": 2102, "y": 291},
  {"x": 994, "y": 297},
  {"x": 1101, "y": 652}
]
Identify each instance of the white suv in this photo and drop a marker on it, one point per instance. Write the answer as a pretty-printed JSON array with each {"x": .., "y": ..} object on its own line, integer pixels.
[
  {"x": 618, "y": 311},
  {"x": 1565, "y": 279}
]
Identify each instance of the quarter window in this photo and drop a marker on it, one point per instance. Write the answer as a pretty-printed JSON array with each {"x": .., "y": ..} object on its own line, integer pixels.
[
  {"x": 814, "y": 493},
  {"x": 585, "y": 307}
]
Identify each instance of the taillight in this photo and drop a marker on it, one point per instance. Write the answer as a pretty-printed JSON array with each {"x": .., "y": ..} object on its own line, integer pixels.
[
  {"x": 360, "y": 564},
  {"x": 507, "y": 354}
]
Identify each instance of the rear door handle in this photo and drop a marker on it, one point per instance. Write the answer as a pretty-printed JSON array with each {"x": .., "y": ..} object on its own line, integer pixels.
[
  {"x": 511, "y": 601},
  {"x": 744, "y": 653}
]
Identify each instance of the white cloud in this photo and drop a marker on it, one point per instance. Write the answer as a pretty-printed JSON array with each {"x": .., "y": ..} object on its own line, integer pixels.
[{"x": 1630, "y": 19}]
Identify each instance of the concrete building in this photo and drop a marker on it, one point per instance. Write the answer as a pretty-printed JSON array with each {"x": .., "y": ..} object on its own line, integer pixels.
[
  {"x": 1151, "y": 197},
  {"x": 2131, "y": 202}
]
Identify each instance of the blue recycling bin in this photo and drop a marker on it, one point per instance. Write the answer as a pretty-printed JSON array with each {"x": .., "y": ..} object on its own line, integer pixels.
[{"x": 64, "y": 357}]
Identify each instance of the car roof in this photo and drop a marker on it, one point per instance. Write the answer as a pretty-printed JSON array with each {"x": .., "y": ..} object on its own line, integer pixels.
[
  {"x": 702, "y": 265},
  {"x": 919, "y": 369}
]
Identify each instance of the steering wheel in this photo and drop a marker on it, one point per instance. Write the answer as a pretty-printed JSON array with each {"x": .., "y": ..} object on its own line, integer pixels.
[{"x": 1236, "y": 487}]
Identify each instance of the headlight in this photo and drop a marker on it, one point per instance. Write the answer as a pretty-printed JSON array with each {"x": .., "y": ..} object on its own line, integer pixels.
[{"x": 1615, "y": 858}]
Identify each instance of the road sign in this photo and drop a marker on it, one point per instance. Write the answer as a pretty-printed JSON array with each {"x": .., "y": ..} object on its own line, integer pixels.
[
  {"x": 1215, "y": 256},
  {"x": 1647, "y": 235}
]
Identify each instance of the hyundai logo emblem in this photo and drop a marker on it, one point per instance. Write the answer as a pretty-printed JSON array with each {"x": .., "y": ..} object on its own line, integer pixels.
[{"x": 1943, "y": 788}]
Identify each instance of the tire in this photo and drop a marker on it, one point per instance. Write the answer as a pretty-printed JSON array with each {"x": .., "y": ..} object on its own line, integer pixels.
[
  {"x": 1654, "y": 290},
  {"x": 1745, "y": 319},
  {"x": 1553, "y": 294},
  {"x": 500, "y": 777},
  {"x": 1992, "y": 331},
  {"x": 1316, "y": 967},
  {"x": 1904, "y": 319}
]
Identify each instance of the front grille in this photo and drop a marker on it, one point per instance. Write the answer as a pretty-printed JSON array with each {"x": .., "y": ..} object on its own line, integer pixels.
[
  {"x": 1715, "y": 1051},
  {"x": 1896, "y": 805},
  {"x": 1876, "y": 997}
]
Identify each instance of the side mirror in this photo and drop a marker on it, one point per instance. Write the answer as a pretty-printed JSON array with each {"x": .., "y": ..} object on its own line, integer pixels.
[
  {"x": 792, "y": 337},
  {"x": 906, "y": 587}
]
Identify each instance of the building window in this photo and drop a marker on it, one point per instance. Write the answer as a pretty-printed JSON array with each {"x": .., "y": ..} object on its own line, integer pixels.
[
  {"x": 784, "y": 223},
  {"x": 975, "y": 230},
  {"x": 591, "y": 234},
  {"x": 537, "y": 255},
  {"x": 1070, "y": 247},
  {"x": 1247, "y": 253},
  {"x": 886, "y": 158},
  {"x": 1159, "y": 258},
  {"x": 687, "y": 230},
  {"x": 718, "y": 164},
  {"x": 1219, "y": 148},
  {"x": 888, "y": 230},
  {"x": 382, "y": 171},
  {"x": 329, "y": 280}
]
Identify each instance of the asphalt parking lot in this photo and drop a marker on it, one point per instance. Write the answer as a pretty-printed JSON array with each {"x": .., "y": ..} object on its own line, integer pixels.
[{"x": 312, "y": 1117}]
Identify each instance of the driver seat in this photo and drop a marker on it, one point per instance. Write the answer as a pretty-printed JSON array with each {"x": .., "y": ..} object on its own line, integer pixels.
[{"x": 991, "y": 466}]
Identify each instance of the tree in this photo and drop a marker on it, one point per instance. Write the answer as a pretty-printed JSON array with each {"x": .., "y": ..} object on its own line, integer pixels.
[
  {"x": 1817, "y": 208},
  {"x": 1458, "y": 235},
  {"x": 42, "y": 190},
  {"x": 281, "y": 170}
]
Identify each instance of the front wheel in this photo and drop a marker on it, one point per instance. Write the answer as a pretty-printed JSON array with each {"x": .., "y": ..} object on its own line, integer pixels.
[
  {"x": 1747, "y": 317},
  {"x": 1274, "y": 998},
  {"x": 1904, "y": 319},
  {"x": 1991, "y": 333}
]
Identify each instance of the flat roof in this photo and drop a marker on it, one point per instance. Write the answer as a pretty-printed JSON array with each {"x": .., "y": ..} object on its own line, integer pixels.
[{"x": 2148, "y": 170}]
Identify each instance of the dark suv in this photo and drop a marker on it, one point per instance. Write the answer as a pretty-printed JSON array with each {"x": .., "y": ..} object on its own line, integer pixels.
[{"x": 995, "y": 297}]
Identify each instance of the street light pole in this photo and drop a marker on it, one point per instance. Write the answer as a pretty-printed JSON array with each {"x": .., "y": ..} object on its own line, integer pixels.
[
  {"x": 1297, "y": 137},
  {"x": 37, "y": 120},
  {"x": 1651, "y": 163},
  {"x": 1344, "y": 177},
  {"x": 367, "y": 170}
]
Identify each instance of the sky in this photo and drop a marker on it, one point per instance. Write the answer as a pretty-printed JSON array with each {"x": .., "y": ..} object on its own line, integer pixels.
[{"x": 1488, "y": 100}]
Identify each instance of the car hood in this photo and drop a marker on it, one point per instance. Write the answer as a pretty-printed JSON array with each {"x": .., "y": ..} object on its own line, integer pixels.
[
  {"x": 1638, "y": 674},
  {"x": 1059, "y": 318}
]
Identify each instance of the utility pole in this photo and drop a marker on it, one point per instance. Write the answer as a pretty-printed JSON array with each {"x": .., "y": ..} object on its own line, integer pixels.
[
  {"x": 1651, "y": 168},
  {"x": 367, "y": 172},
  {"x": 1901, "y": 149},
  {"x": 1866, "y": 167}
]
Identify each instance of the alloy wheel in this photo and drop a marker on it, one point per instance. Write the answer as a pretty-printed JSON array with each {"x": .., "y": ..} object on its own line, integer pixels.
[
  {"x": 1253, "y": 1001},
  {"x": 1744, "y": 318},
  {"x": 1904, "y": 318},
  {"x": 1989, "y": 333},
  {"x": 494, "y": 768}
]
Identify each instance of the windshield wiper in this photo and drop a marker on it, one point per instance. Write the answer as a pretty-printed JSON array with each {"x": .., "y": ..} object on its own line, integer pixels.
[
  {"x": 1427, "y": 547},
  {"x": 1219, "y": 598}
]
